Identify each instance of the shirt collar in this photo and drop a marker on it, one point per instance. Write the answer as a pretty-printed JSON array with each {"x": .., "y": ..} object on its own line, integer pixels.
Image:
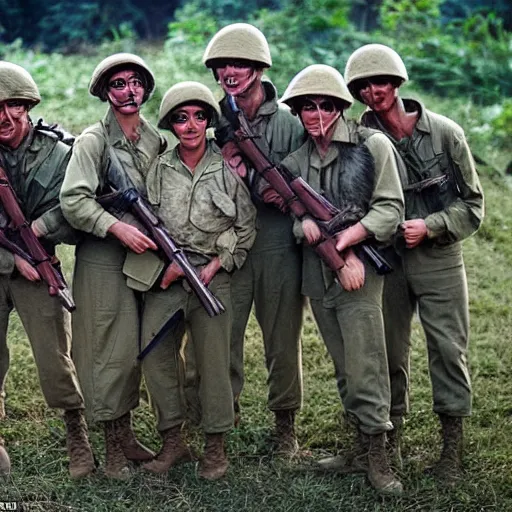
[
  {"x": 115, "y": 132},
  {"x": 414, "y": 105}
]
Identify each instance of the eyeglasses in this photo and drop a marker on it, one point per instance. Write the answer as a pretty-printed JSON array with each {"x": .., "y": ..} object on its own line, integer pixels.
[
  {"x": 121, "y": 83},
  {"x": 182, "y": 117},
  {"x": 325, "y": 105}
]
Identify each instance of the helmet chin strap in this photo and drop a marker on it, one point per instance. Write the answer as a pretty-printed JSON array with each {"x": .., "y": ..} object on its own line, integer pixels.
[{"x": 327, "y": 127}]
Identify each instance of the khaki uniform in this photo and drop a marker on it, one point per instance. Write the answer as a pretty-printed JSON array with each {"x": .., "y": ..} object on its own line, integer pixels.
[
  {"x": 431, "y": 277},
  {"x": 106, "y": 322},
  {"x": 351, "y": 323},
  {"x": 35, "y": 170},
  {"x": 271, "y": 275},
  {"x": 208, "y": 213}
]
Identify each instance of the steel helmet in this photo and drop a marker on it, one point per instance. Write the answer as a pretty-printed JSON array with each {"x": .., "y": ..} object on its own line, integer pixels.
[
  {"x": 318, "y": 80},
  {"x": 187, "y": 92},
  {"x": 117, "y": 62},
  {"x": 16, "y": 83},
  {"x": 240, "y": 41}
]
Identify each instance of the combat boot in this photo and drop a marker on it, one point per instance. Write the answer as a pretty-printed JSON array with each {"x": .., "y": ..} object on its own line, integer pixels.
[
  {"x": 5, "y": 462},
  {"x": 448, "y": 469},
  {"x": 380, "y": 475},
  {"x": 285, "y": 440},
  {"x": 351, "y": 460},
  {"x": 133, "y": 450},
  {"x": 394, "y": 442},
  {"x": 81, "y": 459},
  {"x": 174, "y": 451},
  {"x": 116, "y": 464},
  {"x": 214, "y": 463}
]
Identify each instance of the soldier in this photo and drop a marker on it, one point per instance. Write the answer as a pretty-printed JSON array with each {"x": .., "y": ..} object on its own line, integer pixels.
[
  {"x": 444, "y": 204},
  {"x": 35, "y": 161},
  {"x": 238, "y": 55},
  {"x": 5, "y": 462},
  {"x": 209, "y": 213},
  {"x": 351, "y": 166},
  {"x": 106, "y": 323}
]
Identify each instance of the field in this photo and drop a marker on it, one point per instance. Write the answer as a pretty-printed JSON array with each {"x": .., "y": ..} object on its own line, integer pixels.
[{"x": 257, "y": 482}]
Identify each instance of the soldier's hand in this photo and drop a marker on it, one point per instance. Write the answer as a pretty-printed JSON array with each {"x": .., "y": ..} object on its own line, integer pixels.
[
  {"x": 233, "y": 159},
  {"x": 351, "y": 236},
  {"x": 415, "y": 230},
  {"x": 270, "y": 196},
  {"x": 352, "y": 275},
  {"x": 26, "y": 269},
  {"x": 37, "y": 229},
  {"x": 172, "y": 273},
  {"x": 208, "y": 271},
  {"x": 132, "y": 237},
  {"x": 311, "y": 231}
]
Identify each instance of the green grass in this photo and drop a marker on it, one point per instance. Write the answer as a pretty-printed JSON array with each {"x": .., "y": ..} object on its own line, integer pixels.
[{"x": 257, "y": 482}]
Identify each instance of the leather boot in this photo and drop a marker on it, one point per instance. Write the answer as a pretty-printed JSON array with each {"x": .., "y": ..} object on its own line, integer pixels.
[
  {"x": 393, "y": 443},
  {"x": 380, "y": 474},
  {"x": 285, "y": 440},
  {"x": 116, "y": 464},
  {"x": 214, "y": 463},
  {"x": 174, "y": 451},
  {"x": 448, "y": 468},
  {"x": 5, "y": 462},
  {"x": 133, "y": 450},
  {"x": 352, "y": 460},
  {"x": 81, "y": 459}
]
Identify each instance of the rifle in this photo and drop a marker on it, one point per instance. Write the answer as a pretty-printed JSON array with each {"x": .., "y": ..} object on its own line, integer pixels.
[
  {"x": 303, "y": 200},
  {"x": 125, "y": 197},
  {"x": 35, "y": 253}
]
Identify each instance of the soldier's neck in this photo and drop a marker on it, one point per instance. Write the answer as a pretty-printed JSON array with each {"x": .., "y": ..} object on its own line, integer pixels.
[
  {"x": 192, "y": 157},
  {"x": 397, "y": 121},
  {"x": 251, "y": 100},
  {"x": 130, "y": 124}
]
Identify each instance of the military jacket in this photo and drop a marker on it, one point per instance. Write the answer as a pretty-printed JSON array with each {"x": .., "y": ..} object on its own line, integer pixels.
[
  {"x": 385, "y": 208},
  {"x": 208, "y": 212},
  {"x": 453, "y": 208},
  {"x": 278, "y": 133},
  {"x": 87, "y": 170},
  {"x": 35, "y": 170}
]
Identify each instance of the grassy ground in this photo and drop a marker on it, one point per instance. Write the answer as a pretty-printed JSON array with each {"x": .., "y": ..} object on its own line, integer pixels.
[{"x": 256, "y": 481}]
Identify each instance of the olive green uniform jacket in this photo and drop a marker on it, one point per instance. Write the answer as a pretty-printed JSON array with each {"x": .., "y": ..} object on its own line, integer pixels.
[
  {"x": 351, "y": 323},
  {"x": 431, "y": 277},
  {"x": 271, "y": 276},
  {"x": 209, "y": 213},
  {"x": 36, "y": 170},
  {"x": 106, "y": 322}
]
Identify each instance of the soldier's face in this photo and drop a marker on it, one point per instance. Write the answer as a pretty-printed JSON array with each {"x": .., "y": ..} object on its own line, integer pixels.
[
  {"x": 318, "y": 115},
  {"x": 125, "y": 91},
  {"x": 14, "y": 123},
  {"x": 236, "y": 77},
  {"x": 189, "y": 124},
  {"x": 378, "y": 93}
]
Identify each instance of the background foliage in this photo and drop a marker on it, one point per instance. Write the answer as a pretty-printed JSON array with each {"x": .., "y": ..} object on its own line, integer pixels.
[{"x": 459, "y": 62}]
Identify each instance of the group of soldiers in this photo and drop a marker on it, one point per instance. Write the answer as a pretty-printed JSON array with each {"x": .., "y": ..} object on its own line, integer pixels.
[{"x": 408, "y": 171}]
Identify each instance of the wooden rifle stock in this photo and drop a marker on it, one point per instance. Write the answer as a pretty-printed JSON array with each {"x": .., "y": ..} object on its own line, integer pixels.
[
  {"x": 39, "y": 258},
  {"x": 302, "y": 199},
  {"x": 143, "y": 212}
]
